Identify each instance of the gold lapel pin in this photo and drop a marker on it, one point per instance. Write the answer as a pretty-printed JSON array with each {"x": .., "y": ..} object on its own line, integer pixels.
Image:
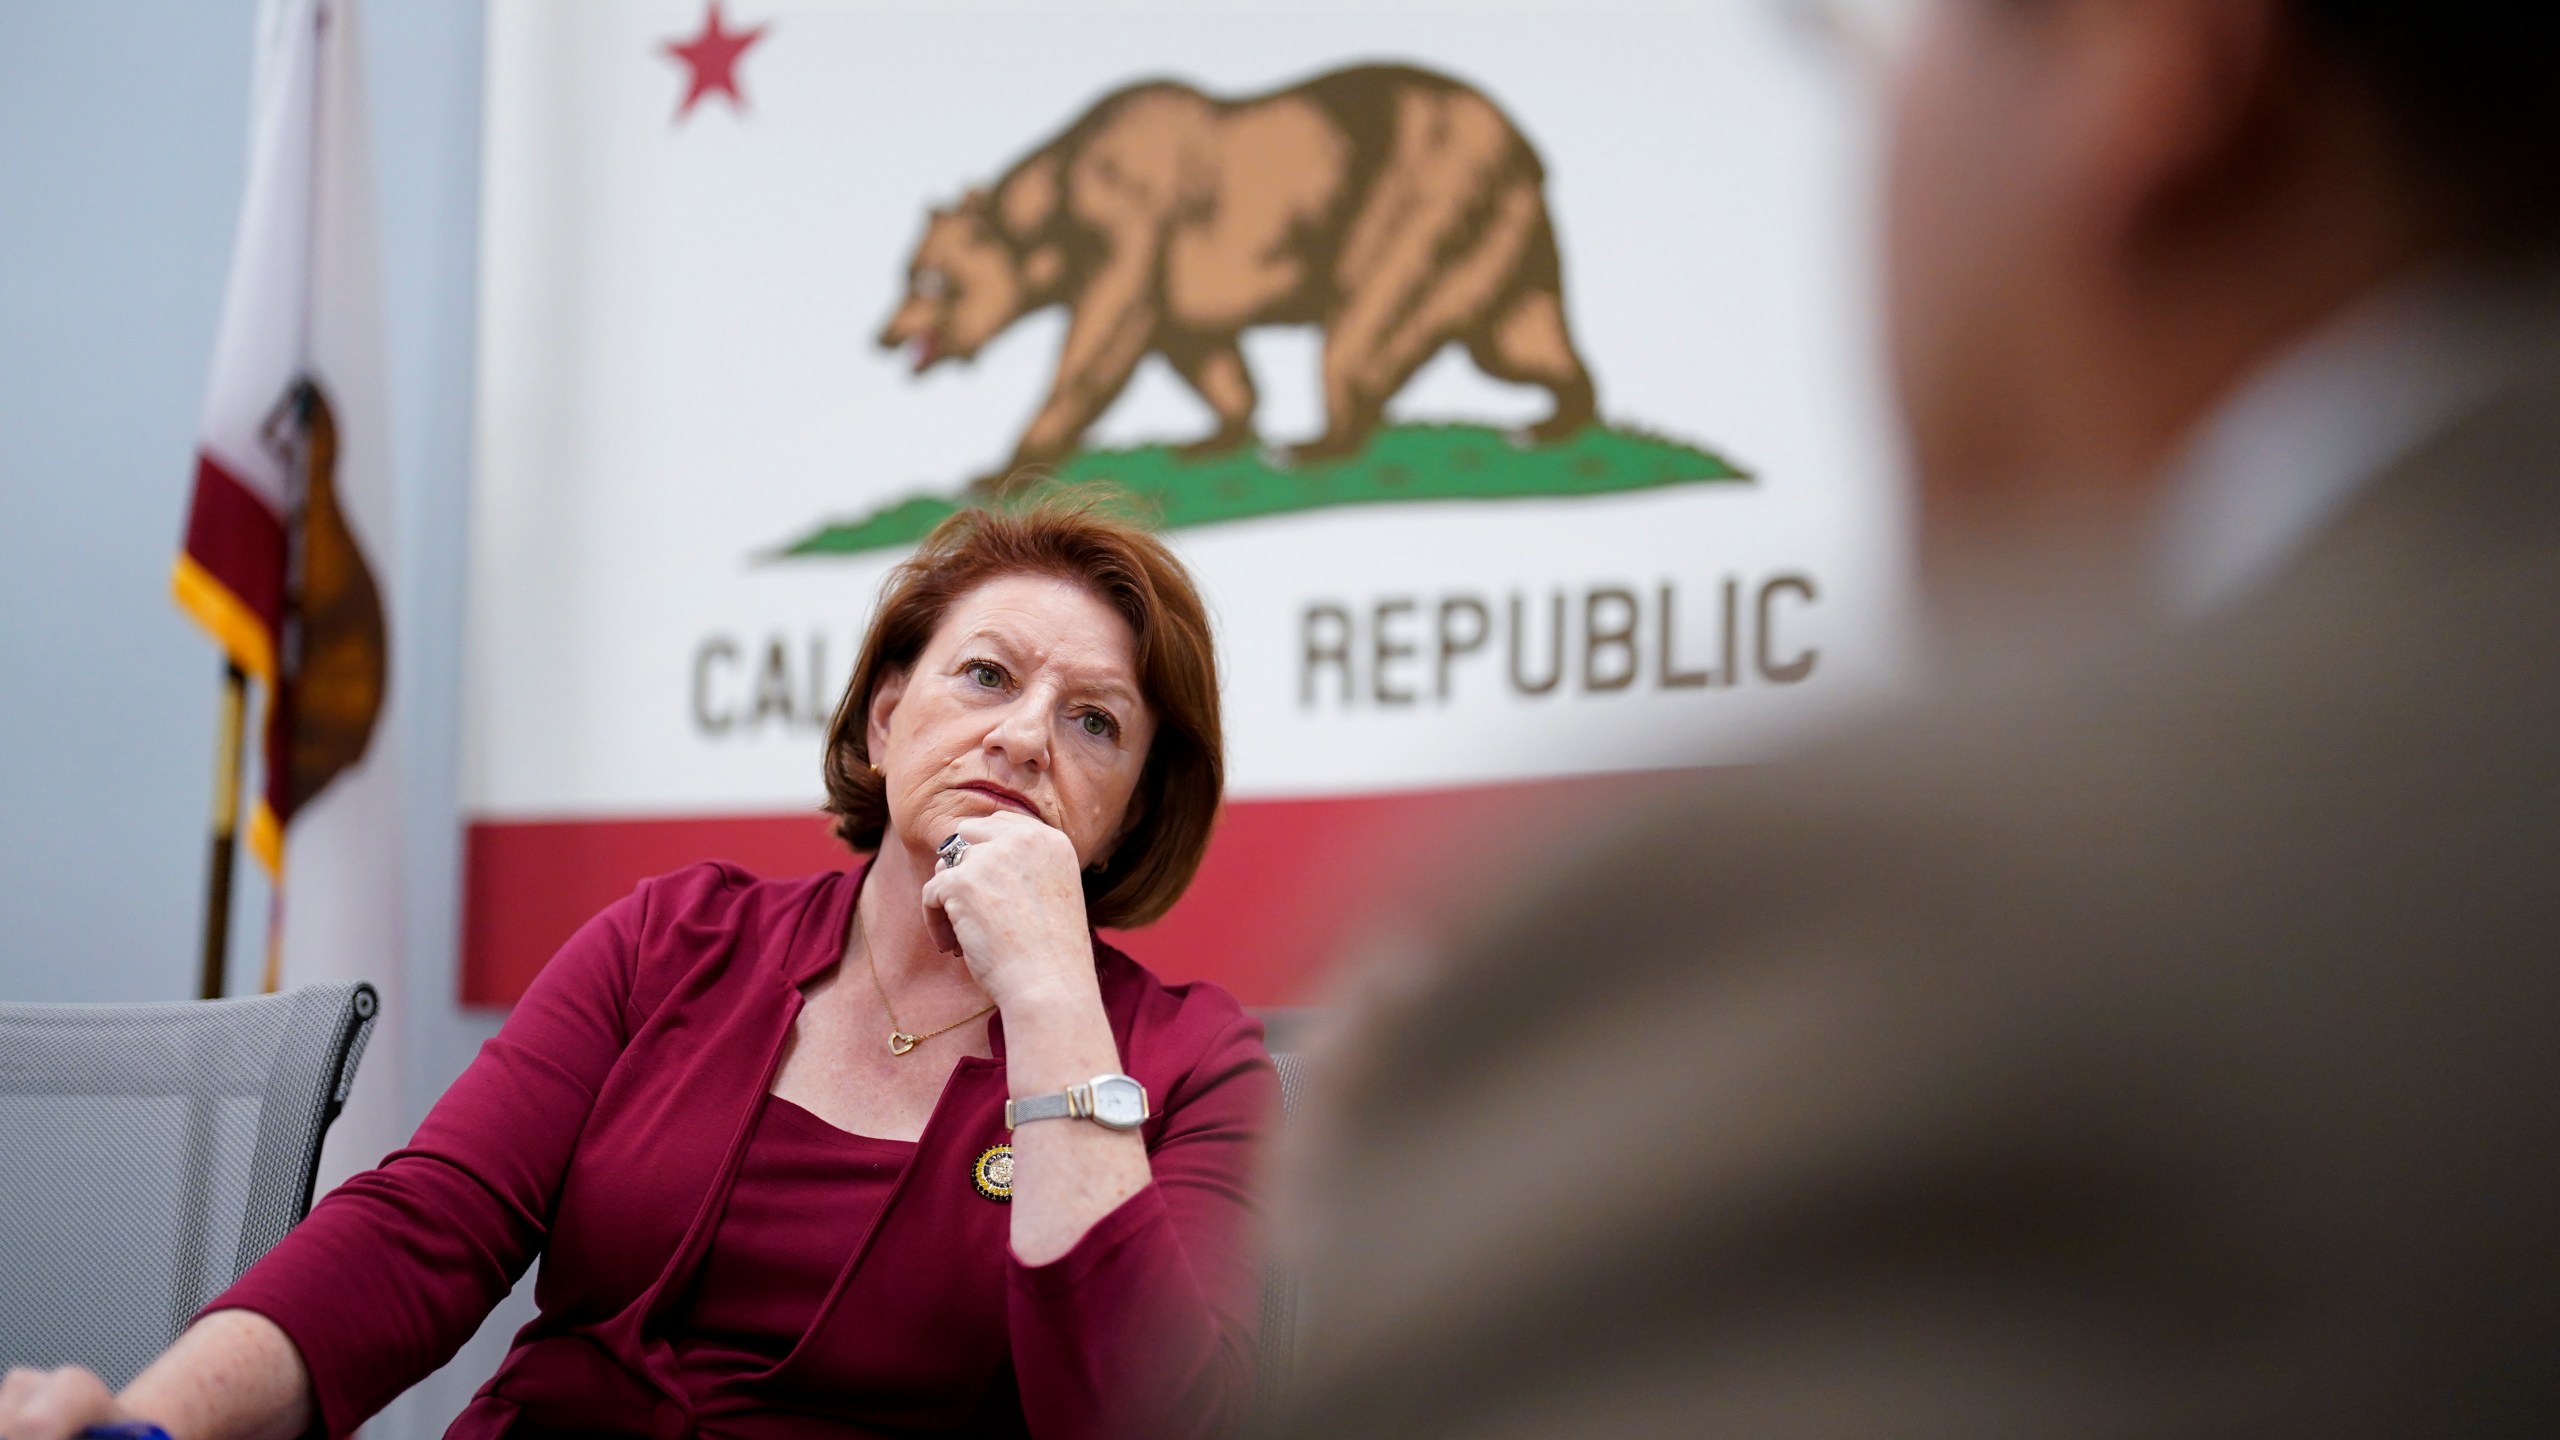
[{"x": 993, "y": 1174}]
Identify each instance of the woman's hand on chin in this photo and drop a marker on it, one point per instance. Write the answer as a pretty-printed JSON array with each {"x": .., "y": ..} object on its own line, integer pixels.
[{"x": 1015, "y": 905}]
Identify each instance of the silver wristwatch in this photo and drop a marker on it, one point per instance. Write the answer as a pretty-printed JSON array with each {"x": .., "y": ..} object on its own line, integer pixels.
[{"x": 1113, "y": 1101}]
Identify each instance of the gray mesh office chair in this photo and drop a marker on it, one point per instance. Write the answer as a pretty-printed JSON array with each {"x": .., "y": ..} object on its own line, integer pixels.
[
  {"x": 1279, "y": 1283},
  {"x": 149, "y": 1153}
]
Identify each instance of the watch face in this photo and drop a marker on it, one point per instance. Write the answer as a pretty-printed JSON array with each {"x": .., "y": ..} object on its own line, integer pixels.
[{"x": 1119, "y": 1101}]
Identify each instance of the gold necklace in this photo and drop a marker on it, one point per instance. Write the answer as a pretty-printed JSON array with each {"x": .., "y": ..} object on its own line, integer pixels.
[{"x": 900, "y": 1042}]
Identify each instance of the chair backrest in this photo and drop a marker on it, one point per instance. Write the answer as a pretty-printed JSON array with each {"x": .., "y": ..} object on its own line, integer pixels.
[
  {"x": 149, "y": 1153},
  {"x": 1279, "y": 1358}
]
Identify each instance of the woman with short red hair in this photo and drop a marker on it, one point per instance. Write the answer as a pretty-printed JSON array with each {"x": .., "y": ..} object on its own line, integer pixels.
[{"x": 903, "y": 1149}]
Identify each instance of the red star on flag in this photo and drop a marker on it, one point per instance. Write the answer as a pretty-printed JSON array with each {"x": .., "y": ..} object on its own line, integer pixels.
[{"x": 712, "y": 56}]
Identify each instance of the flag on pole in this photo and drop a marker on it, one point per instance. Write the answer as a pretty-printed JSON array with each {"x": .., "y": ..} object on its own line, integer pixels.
[{"x": 291, "y": 521}]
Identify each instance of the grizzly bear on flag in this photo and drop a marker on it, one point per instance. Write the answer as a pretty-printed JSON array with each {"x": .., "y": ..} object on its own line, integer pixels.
[{"x": 1396, "y": 208}]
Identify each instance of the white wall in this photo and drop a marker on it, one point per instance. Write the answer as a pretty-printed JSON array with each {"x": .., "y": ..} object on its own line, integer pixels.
[
  {"x": 120, "y": 166},
  {"x": 122, "y": 134}
]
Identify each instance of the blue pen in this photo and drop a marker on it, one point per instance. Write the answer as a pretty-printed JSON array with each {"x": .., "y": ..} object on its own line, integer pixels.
[{"x": 125, "y": 1430}]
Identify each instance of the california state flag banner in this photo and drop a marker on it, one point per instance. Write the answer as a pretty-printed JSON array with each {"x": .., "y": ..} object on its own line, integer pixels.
[
  {"x": 1499, "y": 371},
  {"x": 291, "y": 524}
]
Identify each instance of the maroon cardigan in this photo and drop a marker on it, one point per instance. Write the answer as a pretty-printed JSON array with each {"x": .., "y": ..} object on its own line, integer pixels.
[{"x": 602, "y": 1127}]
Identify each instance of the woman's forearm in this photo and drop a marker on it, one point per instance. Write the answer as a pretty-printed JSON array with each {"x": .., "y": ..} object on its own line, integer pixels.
[
  {"x": 1136, "y": 1316},
  {"x": 1067, "y": 1174},
  {"x": 232, "y": 1375}
]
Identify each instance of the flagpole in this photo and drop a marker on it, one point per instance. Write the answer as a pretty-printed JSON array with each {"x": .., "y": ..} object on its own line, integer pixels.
[
  {"x": 271, "y": 979},
  {"x": 226, "y": 829}
]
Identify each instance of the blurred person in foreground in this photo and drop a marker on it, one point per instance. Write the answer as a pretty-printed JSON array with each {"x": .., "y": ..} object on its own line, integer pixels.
[
  {"x": 904, "y": 1149},
  {"x": 2152, "y": 1033}
]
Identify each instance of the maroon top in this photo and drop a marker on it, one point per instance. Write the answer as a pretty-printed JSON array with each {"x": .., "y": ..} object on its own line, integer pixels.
[
  {"x": 806, "y": 1191},
  {"x": 604, "y": 1128}
]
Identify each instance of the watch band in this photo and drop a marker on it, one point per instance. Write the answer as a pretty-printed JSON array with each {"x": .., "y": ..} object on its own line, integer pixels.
[{"x": 1058, "y": 1105}]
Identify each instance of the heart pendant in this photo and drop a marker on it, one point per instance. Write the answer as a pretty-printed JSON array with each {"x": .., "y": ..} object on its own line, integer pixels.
[{"x": 900, "y": 1042}]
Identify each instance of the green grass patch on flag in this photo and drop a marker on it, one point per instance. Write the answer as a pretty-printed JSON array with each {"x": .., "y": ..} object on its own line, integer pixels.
[{"x": 1401, "y": 464}]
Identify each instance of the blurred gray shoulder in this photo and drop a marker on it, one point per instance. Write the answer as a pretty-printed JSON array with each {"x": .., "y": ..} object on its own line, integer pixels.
[{"x": 2184, "y": 995}]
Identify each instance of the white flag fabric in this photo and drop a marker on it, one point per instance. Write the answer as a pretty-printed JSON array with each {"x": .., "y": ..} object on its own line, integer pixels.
[{"x": 292, "y": 525}]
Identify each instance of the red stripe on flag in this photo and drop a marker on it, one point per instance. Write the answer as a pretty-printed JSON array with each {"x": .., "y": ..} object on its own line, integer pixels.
[
  {"x": 528, "y": 885},
  {"x": 1288, "y": 887},
  {"x": 238, "y": 541}
]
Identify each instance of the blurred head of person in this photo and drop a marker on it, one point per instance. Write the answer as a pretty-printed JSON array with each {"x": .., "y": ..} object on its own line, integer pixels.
[
  {"x": 2103, "y": 214},
  {"x": 1056, "y": 661}
]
